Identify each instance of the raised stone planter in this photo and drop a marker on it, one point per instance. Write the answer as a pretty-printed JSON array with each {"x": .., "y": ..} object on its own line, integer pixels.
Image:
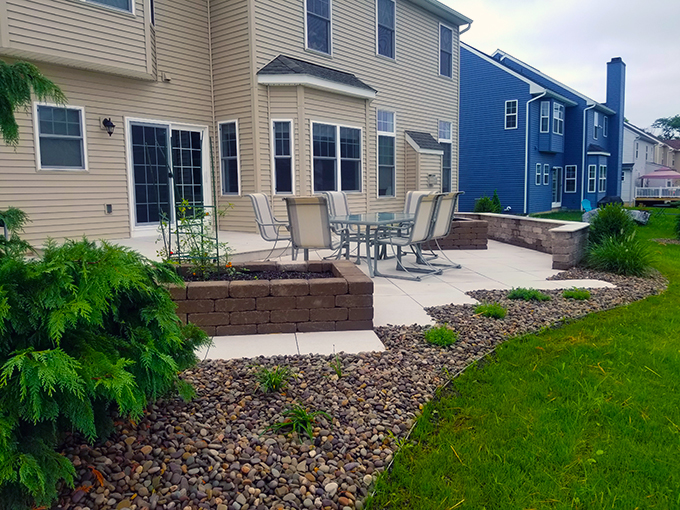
[
  {"x": 465, "y": 234},
  {"x": 565, "y": 240},
  {"x": 247, "y": 307}
]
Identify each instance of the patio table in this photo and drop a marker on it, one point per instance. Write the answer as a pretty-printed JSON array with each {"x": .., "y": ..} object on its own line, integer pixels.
[{"x": 372, "y": 220}]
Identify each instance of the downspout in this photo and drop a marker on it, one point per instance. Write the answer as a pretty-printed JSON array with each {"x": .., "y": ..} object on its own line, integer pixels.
[
  {"x": 461, "y": 32},
  {"x": 583, "y": 148},
  {"x": 526, "y": 154},
  {"x": 214, "y": 119}
]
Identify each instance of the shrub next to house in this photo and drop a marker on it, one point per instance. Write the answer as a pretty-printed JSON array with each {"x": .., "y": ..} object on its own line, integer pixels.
[{"x": 85, "y": 330}]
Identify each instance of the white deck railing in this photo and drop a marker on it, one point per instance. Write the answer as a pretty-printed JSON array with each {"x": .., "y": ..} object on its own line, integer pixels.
[{"x": 657, "y": 192}]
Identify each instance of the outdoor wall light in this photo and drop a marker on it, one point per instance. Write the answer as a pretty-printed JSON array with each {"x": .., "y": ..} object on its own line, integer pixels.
[{"x": 109, "y": 126}]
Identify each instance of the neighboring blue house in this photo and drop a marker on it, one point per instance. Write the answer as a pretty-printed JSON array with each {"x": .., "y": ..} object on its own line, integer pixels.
[{"x": 539, "y": 143}]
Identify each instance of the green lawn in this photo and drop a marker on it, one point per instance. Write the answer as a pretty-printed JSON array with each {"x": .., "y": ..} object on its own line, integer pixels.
[
  {"x": 560, "y": 215},
  {"x": 585, "y": 417}
]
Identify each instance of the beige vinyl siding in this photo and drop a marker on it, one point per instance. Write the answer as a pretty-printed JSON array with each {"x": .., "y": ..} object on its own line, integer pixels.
[
  {"x": 76, "y": 33},
  {"x": 232, "y": 76},
  {"x": 70, "y": 204},
  {"x": 410, "y": 86},
  {"x": 410, "y": 167},
  {"x": 430, "y": 164}
]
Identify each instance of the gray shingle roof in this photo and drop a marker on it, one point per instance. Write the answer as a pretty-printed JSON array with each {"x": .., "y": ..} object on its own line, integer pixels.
[
  {"x": 288, "y": 65},
  {"x": 425, "y": 140},
  {"x": 596, "y": 148}
]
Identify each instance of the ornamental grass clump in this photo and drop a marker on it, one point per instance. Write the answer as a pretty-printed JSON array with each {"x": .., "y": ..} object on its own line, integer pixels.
[
  {"x": 492, "y": 310},
  {"x": 612, "y": 220},
  {"x": 299, "y": 420},
  {"x": 442, "y": 336},
  {"x": 528, "y": 294},
  {"x": 628, "y": 256},
  {"x": 577, "y": 294},
  {"x": 86, "y": 330},
  {"x": 273, "y": 379}
]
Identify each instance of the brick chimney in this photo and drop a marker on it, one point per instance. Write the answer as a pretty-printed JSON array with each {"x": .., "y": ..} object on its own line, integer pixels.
[{"x": 616, "y": 98}]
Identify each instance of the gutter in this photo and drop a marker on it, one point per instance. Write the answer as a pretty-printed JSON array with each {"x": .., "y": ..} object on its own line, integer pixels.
[
  {"x": 526, "y": 153},
  {"x": 583, "y": 151},
  {"x": 461, "y": 32}
]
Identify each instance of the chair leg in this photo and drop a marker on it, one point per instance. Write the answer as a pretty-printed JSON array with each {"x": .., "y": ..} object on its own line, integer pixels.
[{"x": 306, "y": 251}]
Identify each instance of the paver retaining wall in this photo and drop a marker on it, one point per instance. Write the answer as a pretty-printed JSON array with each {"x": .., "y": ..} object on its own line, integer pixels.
[
  {"x": 565, "y": 240},
  {"x": 244, "y": 307},
  {"x": 465, "y": 234}
]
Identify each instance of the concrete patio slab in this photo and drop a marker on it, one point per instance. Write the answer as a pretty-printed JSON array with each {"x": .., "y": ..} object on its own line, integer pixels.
[{"x": 333, "y": 342}]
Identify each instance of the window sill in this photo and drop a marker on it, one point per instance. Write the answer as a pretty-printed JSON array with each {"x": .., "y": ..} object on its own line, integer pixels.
[
  {"x": 70, "y": 170},
  {"x": 386, "y": 58},
  {"x": 105, "y": 8},
  {"x": 319, "y": 53}
]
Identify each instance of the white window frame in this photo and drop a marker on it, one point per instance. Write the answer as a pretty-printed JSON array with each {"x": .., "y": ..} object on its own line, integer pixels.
[
  {"x": 439, "y": 50},
  {"x": 111, "y": 7},
  {"x": 145, "y": 230},
  {"x": 605, "y": 126},
  {"x": 596, "y": 125},
  {"x": 274, "y": 156},
  {"x": 238, "y": 157},
  {"x": 448, "y": 140},
  {"x": 509, "y": 115},
  {"x": 646, "y": 152},
  {"x": 637, "y": 148},
  {"x": 545, "y": 115},
  {"x": 392, "y": 134},
  {"x": 602, "y": 179},
  {"x": 546, "y": 175},
  {"x": 394, "y": 42},
  {"x": 338, "y": 160},
  {"x": 558, "y": 119},
  {"x": 592, "y": 177},
  {"x": 568, "y": 180},
  {"x": 538, "y": 174},
  {"x": 36, "y": 133},
  {"x": 330, "y": 30}
]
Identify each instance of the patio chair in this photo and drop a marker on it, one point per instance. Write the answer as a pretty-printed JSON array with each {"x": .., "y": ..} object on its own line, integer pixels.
[
  {"x": 309, "y": 225},
  {"x": 446, "y": 207},
  {"x": 338, "y": 206},
  {"x": 585, "y": 204},
  {"x": 412, "y": 200},
  {"x": 420, "y": 231},
  {"x": 271, "y": 229}
]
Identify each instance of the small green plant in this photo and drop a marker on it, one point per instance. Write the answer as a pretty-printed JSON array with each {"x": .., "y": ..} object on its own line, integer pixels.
[
  {"x": 496, "y": 203},
  {"x": 578, "y": 294},
  {"x": 628, "y": 256},
  {"x": 442, "y": 336},
  {"x": 528, "y": 294},
  {"x": 486, "y": 204},
  {"x": 273, "y": 379},
  {"x": 336, "y": 365},
  {"x": 611, "y": 221},
  {"x": 298, "y": 420},
  {"x": 493, "y": 310}
]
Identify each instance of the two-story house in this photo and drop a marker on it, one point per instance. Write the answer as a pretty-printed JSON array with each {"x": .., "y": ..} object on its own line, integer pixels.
[
  {"x": 541, "y": 144},
  {"x": 639, "y": 158},
  {"x": 212, "y": 100}
]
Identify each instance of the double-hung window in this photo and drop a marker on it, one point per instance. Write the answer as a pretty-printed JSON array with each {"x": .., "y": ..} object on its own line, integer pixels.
[
  {"x": 603, "y": 178},
  {"x": 61, "y": 137},
  {"x": 592, "y": 177},
  {"x": 445, "y": 51},
  {"x": 445, "y": 140},
  {"x": 538, "y": 174},
  {"x": 570, "y": 179},
  {"x": 637, "y": 150},
  {"x": 336, "y": 147},
  {"x": 386, "y": 29},
  {"x": 319, "y": 25},
  {"x": 558, "y": 119},
  {"x": 546, "y": 175},
  {"x": 282, "y": 136},
  {"x": 121, "y": 5},
  {"x": 386, "y": 154},
  {"x": 511, "y": 114},
  {"x": 605, "y": 127},
  {"x": 545, "y": 116},
  {"x": 229, "y": 158},
  {"x": 596, "y": 125}
]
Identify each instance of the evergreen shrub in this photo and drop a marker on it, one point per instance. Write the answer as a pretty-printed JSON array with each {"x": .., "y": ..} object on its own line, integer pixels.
[
  {"x": 611, "y": 221},
  {"x": 486, "y": 204},
  {"x": 86, "y": 330}
]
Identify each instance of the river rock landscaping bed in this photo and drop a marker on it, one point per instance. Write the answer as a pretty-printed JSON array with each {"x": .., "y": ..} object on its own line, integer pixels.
[{"x": 216, "y": 452}]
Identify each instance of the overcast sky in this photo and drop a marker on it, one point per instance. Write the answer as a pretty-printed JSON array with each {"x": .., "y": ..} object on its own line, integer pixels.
[{"x": 572, "y": 41}]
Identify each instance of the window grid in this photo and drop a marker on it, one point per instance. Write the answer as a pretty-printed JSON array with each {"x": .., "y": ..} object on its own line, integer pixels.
[
  {"x": 187, "y": 166},
  {"x": 445, "y": 140},
  {"x": 61, "y": 137},
  {"x": 596, "y": 125},
  {"x": 592, "y": 177},
  {"x": 327, "y": 158},
  {"x": 637, "y": 150},
  {"x": 605, "y": 127},
  {"x": 545, "y": 116},
  {"x": 511, "y": 114},
  {"x": 283, "y": 156},
  {"x": 386, "y": 11},
  {"x": 319, "y": 25},
  {"x": 603, "y": 178},
  {"x": 538, "y": 174},
  {"x": 445, "y": 51},
  {"x": 570, "y": 179},
  {"x": 558, "y": 119},
  {"x": 546, "y": 175},
  {"x": 229, "y": 158},
  {"x": 386, "y": 154},
  {"x": 150, "y": 173}
]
